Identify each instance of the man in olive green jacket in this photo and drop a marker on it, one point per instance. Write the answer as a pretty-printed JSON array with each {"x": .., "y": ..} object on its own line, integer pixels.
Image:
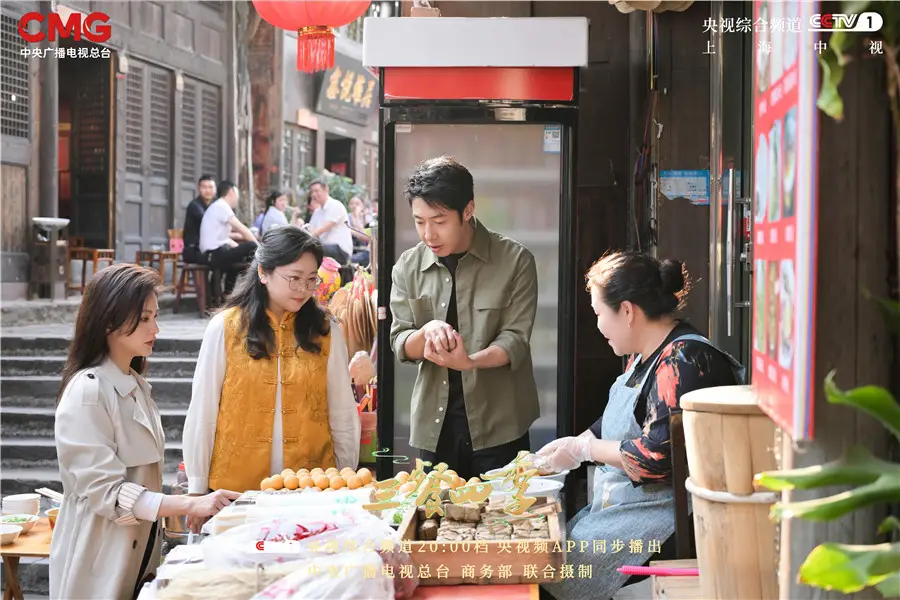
[{"x": 463, "y": 303}]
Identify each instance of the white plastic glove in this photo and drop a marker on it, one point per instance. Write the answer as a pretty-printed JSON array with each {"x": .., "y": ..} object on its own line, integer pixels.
[{"x": 564, "y": 454}]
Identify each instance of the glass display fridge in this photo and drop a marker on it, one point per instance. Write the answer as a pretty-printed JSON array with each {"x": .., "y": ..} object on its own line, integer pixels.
[{"x": 513, "y": 128}]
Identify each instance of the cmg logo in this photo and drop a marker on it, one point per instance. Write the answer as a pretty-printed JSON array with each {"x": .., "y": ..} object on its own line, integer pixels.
[{"x": 74, "y": 26}]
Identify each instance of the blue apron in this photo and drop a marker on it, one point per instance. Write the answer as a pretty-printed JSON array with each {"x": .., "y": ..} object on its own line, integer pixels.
[{"x": 625, "y": 524}]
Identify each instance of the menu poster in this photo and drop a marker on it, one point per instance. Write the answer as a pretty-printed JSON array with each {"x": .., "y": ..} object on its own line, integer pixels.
[{"x": 785, "y": 145}]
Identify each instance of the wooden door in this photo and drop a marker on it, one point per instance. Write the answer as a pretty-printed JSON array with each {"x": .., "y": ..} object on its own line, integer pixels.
[
  {"x": 200, "y": 144},
  {"x": 89, "y": 84},
  {"x": 148, "y": 157}
]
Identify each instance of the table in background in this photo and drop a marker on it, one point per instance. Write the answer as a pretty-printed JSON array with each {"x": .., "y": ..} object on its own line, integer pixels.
[{"x": 34, "y": 544}]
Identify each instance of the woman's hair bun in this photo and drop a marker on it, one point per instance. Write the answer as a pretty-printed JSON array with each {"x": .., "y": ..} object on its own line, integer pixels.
[{"x": 673, "y": 276}]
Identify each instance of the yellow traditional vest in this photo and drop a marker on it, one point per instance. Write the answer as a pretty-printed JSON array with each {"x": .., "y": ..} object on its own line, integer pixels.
[{"x": 243, "y": 447}]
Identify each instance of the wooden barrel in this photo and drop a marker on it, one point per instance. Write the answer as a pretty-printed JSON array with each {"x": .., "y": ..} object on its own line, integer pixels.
[{"x": 728, "y": 440}]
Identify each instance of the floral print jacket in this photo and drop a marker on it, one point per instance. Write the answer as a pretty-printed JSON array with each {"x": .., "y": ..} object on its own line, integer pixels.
[{"x": 683, "y": 366}]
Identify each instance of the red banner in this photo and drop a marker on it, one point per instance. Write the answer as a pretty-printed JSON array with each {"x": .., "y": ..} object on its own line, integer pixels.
[{"x": 785, "y": 145}]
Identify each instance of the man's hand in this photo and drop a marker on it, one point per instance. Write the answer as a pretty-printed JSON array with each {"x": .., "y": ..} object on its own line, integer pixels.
[
  {"x": 440, "y": 334},
  {"x": 458, "y": 359}
]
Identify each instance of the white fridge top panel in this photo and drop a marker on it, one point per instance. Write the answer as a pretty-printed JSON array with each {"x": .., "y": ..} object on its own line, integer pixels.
[{"x": 452, "y": 42}]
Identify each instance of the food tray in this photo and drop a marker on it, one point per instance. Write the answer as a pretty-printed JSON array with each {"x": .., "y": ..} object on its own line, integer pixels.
[{"x": 452, "y": 563}]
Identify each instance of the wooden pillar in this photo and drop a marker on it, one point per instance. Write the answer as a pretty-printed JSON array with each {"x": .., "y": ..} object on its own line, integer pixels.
[
  {"x": 855, "y": 212},
  {"x": 638, "y": 91},
  {"x": 49, "y": 109},
  {"x": 266, "y": 82},
  {"x": 48, "y": 152}
]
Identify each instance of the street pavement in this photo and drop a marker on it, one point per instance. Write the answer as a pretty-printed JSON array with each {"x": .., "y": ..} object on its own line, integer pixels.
[{"x": 177, "y": 327}]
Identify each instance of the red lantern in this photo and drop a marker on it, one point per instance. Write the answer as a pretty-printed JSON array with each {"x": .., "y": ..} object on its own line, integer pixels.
[{"x": 314, "y": 22}]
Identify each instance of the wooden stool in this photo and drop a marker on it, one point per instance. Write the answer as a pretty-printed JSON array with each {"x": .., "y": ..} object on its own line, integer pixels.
[
  {"x": 160, "y": 258},
  {"x": 727, "y": 424},
  {"x": 94, "y": 255},
  {"x": 676, "y": 588},
  {"x": 197, "y": 274}
]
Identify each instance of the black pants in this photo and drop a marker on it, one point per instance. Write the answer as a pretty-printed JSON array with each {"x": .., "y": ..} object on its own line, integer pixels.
[
  {"x": 232, "y": 261},
  {"x": 192, "y": 255},
  {"x": 335, "y": 252},
  {"x": 455, "y": 448}
]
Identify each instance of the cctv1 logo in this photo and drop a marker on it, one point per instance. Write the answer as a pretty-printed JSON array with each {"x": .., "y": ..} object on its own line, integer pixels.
[
  {"x": 867, "y": 22},
  {"x": 93, "y": 27}
]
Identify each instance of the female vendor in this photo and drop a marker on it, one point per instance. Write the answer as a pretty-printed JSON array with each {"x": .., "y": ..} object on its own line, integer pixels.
[
  {"x": 272, "y": 386},
  {"x": 635, "y": 297}
]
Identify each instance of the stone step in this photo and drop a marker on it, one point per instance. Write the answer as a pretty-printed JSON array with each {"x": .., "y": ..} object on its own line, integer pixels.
[
  {"x": 42, "y": 311},
  {"x": 158, "y": 366},
  {"x": 25, "y": 422},
  {"x": 25, "y": 481},
  {"x": 40, "y": 391},
  {"x": 34, "y": 578},
  {"x": 40, "y": 453},
  {"x": 15, "y": 345}
]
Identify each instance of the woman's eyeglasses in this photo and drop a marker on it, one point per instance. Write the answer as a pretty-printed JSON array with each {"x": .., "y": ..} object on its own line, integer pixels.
[{"x": 297, "y": 284}]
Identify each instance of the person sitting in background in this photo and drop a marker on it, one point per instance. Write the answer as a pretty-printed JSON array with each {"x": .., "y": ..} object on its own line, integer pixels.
[
  {"x": 193, "y": 217},
  {"x": 635, "y": 297},
  {"x": 329, "y": 223},
  {"x": 226, "y": 241},
  {"x": 273, "y": 215},
  {"x": 358, "y": 224}
]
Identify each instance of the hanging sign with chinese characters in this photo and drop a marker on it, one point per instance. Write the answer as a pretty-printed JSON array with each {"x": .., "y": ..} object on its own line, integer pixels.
[
  {"x": 348, "y": 92},
  {"x": 785, "y": 143}
]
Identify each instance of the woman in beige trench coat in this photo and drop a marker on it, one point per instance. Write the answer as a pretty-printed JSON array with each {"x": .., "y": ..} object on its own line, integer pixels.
[{"x": 110, "y": 444}]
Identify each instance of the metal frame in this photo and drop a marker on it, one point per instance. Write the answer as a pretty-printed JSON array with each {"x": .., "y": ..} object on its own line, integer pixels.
[{"x": 458, "y": 113}]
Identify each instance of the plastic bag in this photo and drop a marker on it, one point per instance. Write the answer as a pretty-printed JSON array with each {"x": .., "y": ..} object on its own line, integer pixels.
[
  {"x": 346, "y": 576},
  {"x": 297, "y": 534}
]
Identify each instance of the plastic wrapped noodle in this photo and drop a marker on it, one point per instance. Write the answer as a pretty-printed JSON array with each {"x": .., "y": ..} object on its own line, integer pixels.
[
  {"x": 348, "y": 576},
  {"x": 297, "y": 535}
]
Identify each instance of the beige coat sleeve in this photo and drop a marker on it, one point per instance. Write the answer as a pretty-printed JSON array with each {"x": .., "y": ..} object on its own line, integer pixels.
[{"x": 86, "y": 447}]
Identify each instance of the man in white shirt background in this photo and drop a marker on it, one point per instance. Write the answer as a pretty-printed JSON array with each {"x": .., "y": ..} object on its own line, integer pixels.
[
  {"x": 329, "y": 223},
  {"x": 226, "y": 241}
]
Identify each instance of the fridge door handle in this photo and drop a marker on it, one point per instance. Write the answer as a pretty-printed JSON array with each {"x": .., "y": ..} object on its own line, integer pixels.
[{"x": 729, "y": 256}]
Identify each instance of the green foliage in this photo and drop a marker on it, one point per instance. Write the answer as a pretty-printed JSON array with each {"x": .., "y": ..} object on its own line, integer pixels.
[
  {"x": 339, "y": 187},
  {"x": 834, "y": 58},
  {"x": 873, "y": 481}
]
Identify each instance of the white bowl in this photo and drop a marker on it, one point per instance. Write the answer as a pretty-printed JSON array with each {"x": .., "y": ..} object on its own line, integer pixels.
[
  {"x": 21, "y": 508},
  {"x": 22, "y": 498},
  {"x": 26, "y": 525},
  {"x": 9, "y": 533}
]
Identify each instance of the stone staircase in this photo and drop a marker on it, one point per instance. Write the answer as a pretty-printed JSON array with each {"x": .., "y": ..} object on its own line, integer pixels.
[{"x": 30, "y": 369}]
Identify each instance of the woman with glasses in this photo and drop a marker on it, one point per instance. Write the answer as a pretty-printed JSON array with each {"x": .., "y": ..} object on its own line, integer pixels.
[{"x": 272, "y": 388}]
